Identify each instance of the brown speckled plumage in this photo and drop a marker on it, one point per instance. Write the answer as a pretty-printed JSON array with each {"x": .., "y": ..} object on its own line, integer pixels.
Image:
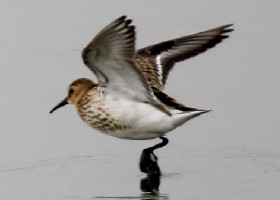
[
  {"x": 96, "y": 115},
  {"x": 129, "y": 100}
]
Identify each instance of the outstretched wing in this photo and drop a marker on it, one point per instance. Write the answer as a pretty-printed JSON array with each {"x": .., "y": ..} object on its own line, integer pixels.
[
  {"x": 157, "y": 60},
  {"x": 110, "y": 56}
]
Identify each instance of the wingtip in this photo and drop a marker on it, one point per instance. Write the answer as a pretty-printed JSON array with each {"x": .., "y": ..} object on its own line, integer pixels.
[
  {"x": 228, "y": 25},
  {"x": 206, "y": 111},
  {"x": 122, "y": 18},
  {"x": 228, "y": 28}
]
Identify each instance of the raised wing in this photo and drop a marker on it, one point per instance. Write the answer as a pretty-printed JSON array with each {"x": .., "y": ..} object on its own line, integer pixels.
[
  {"x": 157, "y": 60},
  {"x": 110, "y": 57}
]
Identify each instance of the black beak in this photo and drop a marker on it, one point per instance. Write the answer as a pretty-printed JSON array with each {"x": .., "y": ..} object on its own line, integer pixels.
[{"x": 62, "y": 103}]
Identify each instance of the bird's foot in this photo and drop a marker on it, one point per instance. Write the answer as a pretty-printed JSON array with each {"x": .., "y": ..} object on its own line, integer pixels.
[{"x": 149, "y": 161}]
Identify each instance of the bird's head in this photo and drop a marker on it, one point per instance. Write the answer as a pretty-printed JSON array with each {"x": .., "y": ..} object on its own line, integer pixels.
[{"x": 76, "y": 92}]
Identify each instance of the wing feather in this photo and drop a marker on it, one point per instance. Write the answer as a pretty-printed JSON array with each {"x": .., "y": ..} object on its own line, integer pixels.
[
  {"x": 110, "y": 56},
  {"x": 161, "y": 57}
]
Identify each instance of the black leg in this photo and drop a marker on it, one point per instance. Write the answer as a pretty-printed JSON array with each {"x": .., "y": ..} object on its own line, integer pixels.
[
  {"x": 148, "y": 160},
  {"x": 160, "y": 145}
]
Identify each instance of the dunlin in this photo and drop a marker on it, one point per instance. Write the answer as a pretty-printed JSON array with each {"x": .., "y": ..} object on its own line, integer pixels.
[{"x": 129, "y": 102}]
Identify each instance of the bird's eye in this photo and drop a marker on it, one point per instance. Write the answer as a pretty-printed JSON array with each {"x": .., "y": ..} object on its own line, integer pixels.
[{"x": 71, "y": 91}]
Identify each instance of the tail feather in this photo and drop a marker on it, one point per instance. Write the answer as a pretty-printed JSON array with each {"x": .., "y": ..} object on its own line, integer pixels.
[
  {"x": 181, "y": 118},
  {"x": 173, "y": 103},
  {"x": 180, "y": 113}
]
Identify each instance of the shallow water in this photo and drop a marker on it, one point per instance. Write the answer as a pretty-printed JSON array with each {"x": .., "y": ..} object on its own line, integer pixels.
[{"x": 187, "y": 172}]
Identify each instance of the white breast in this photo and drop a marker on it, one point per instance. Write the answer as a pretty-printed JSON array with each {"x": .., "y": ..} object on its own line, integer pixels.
[{"x": 144, "y": 120}]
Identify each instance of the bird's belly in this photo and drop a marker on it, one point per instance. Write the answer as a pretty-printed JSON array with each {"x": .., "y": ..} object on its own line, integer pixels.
[{"x": 128, "y": 120}]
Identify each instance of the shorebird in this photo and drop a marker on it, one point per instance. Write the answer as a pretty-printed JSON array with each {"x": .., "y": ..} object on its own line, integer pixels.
[{"x": 129, "y": 101}]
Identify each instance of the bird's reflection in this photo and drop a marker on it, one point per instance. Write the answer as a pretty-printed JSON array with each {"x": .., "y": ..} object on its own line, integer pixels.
[
  {"x": 150, "y": 184},
  {"x": 149, "y": 165}
]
